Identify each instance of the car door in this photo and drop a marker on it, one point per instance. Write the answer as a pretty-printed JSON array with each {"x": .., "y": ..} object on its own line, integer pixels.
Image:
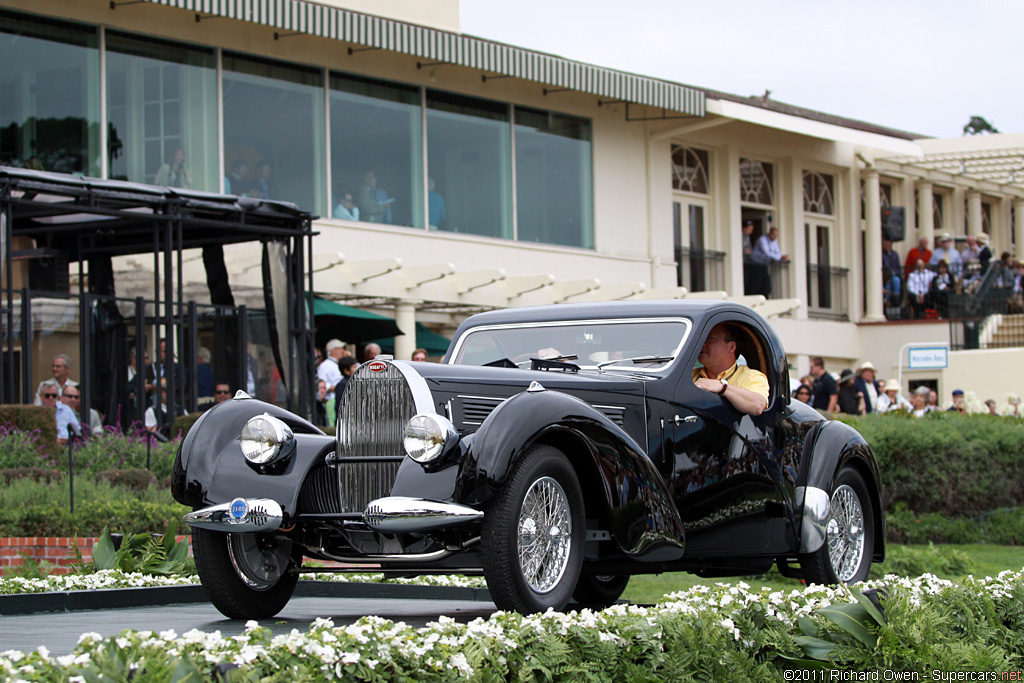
[{"x": 725, "y": 480}]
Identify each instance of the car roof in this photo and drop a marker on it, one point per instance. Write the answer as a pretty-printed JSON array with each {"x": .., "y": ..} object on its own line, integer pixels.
[{"x": 695, "y": 309}]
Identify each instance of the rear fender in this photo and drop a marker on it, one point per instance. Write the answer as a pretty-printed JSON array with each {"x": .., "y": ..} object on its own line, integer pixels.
[
  {"x": 210, "y": 469},
  {"x": 830, "y": 446},
  {"x": 634, "y": 499}
]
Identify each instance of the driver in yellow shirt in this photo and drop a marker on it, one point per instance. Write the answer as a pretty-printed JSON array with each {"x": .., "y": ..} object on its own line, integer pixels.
[{"x": 745, "y": 388}]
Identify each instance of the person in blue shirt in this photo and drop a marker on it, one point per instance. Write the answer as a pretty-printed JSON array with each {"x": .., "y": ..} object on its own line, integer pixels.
[{"x": 435, "y": 206}]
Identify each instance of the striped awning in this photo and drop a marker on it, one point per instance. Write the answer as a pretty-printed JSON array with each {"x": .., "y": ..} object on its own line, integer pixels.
[{"x": 443, "y": 46}]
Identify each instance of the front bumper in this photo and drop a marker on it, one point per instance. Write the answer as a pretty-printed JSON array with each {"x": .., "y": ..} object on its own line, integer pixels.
[
  {"x": 252, "y": 515},
  {"x": 398, "y": 514}
]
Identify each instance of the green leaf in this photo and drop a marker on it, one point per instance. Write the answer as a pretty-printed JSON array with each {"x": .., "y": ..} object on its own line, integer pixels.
[
  {"x": 816, "y": 648},
  {"x": 807, "y": 626},
  {"x": 853, "y": 619},
  {"x": 870, "y": 608},
  {"x": 103, "y": 553}
]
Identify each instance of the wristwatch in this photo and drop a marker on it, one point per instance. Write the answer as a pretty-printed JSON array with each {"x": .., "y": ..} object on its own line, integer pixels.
[{"x": 725, "y": 383}]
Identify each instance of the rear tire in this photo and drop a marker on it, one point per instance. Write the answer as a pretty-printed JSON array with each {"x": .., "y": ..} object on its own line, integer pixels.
[
  {"x": 599, "y": 591},
  {"x": 246, "y": 576},
  {"x": 845, "y": 556},
  {"x": 533, "y": 532}
]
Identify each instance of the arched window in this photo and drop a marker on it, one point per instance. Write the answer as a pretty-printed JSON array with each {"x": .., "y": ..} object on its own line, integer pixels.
[
  {"x": 690, "y": 170},
  {"x": 819, "y": 193}
]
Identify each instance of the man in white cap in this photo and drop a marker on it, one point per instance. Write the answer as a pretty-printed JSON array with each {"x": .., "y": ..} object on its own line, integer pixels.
[
  {"x": 945, "y": 251},
  {"x": 984, "y": 253},
  {"x": 867, "y": 385},
  {"x": 330, "y": 373}
]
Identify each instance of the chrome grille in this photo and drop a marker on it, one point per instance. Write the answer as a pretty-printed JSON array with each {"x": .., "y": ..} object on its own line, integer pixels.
[
  {"x": 363, "y": 481},
  {"x": 371, "y": 420},
  {"x": 374, "y": 409}
]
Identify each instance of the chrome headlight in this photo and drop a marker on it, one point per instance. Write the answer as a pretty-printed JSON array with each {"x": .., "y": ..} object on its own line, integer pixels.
[
  {"x": 266, "y": 439},
  {"x": 427, "y": 436}
]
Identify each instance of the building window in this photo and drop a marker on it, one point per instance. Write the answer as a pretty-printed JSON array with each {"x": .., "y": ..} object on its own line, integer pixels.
[
  {"x": 49, "y": 95},
  {"x": 162, "y": 112},
  {"x": 377, "y": 150},
  {"x": 273, "y": 132},
  {"x": 469, "y": 162},
  {"x": 819, "y": 192},
  {"x": 690, "y": 170},
  {"x": 937, "y": 211},
  {"x": 757, "y": 185},
  {"x": 554, "y": 190}
]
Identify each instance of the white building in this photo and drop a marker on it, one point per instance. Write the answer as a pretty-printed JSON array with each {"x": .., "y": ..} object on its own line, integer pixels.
[{"x": 561, "y": 181}]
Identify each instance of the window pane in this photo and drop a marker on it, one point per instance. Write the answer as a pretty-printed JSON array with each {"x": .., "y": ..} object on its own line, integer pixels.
[
  {"x": 273, "y": 132},
  {"x": 163, "y": 113},
  {"x": 756, "y": 182},
  {"x": 553, "y": 183},
  {"x": 376, "y": 151},
  {"x": 470, "y": 163},
  {"x": 49, "y": 95}
]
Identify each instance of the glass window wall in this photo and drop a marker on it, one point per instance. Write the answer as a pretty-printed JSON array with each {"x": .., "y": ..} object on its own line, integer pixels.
[
  {"x": 49, "y": 95},
  {"x": 376, "y": 151},
  {"x": 469, "y": 161},
  {"x": 274, "y": 132},
  {"x": 162, "y": 108},
  {"x": 553, "y": 178}
]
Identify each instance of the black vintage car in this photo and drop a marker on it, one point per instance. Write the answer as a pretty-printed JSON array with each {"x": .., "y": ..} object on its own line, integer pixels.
[{"x": 556, "y": 450}]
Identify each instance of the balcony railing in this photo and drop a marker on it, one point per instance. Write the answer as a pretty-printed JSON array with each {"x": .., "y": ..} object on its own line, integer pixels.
[
  {"x": 989, "y": 317},
  {"x": 700, "y": 270},
  {"x": 828, "y": 292}
]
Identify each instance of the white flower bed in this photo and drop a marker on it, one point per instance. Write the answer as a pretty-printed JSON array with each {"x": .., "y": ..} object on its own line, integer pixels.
[
  {"x": 375, "y": 649},
  {"x": 115, "y": 578}
]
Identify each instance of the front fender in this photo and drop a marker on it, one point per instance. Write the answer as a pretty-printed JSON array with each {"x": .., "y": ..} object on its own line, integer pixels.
[
  {"x": 830, "y": 446},
  {"x": 210, "y": 469},
  {"x": 615, "y": 473}
]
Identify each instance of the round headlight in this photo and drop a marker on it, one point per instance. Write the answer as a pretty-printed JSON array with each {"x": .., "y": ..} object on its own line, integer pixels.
[
  {"x": 266, "y": 439},
  {"x": 428, "y": 436}
]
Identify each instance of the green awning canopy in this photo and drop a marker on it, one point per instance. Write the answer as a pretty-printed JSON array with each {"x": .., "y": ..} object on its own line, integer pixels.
[
  {"x": 338, "y": 321},
  {"x": 435, "y": 344}
]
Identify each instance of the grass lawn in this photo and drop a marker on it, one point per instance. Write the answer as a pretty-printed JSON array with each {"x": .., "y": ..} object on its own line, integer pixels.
[{"x": 986, "y": 560}]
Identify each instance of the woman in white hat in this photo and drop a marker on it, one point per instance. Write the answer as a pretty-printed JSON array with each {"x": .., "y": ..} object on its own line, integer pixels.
[{"x": 891, "y": 400}]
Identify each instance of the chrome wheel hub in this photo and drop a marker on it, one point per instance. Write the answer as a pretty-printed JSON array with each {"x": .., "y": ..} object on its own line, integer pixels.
[
  {"x": 259, "y": 566},
  {"x": 845, "y": 530},
  {"x": 544, "y": 535}
]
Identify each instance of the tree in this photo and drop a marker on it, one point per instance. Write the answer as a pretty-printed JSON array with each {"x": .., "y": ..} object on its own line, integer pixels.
[{"x": 978, "y": 125}]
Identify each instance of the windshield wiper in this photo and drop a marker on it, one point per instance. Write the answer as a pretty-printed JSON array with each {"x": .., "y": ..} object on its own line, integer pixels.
[{"x": 637, "y": 360}]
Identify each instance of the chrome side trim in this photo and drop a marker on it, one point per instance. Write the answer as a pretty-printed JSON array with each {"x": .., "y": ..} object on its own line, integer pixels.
[
  {"x": 261, "y": 515},
  {"x": 397, "y": 558},
  {"x": 814, "y": 517},
  {"x": 398, "y": 514}
]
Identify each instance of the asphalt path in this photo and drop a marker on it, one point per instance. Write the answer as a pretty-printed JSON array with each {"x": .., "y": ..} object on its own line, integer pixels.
[{"x": 59, "y": 631}]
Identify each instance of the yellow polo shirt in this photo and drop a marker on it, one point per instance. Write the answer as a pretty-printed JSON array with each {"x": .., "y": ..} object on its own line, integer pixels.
[{"x": 741, "y": 376}]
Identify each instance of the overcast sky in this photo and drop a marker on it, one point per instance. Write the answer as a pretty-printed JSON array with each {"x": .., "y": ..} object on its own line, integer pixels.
[{"x": 923, "y": 66}]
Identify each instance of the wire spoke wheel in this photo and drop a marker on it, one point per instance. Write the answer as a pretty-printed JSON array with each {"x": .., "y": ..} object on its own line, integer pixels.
[
  {"x": 545, "y": 533},
  {"x": 845, "y": 533}
]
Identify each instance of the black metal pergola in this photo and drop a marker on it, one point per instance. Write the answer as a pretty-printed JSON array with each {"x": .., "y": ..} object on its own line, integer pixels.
[{"x": 90, "y": 220}]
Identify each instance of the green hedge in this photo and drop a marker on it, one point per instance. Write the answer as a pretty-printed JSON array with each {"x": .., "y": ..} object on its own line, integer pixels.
[
  {"x": 953, "y": 465},
  {"x": 89, "y": 518}
]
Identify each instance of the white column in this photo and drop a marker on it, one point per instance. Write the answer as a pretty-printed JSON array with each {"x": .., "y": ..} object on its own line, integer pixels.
[
  {"x": 925, "y": 214},
  {"x": 405, "y": 317},
  {"x": 973, "y": 212},
  {"x": 1018, "y": 228},
  {"x": 732, "y": 214},
  {"x": 873, "y": 248}
]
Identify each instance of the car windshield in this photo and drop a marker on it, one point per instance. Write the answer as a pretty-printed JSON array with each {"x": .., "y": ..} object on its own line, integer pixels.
[{"x": 641, "y": 344}]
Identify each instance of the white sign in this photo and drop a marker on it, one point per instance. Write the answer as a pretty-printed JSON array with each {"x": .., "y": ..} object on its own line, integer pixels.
[{"x": 929, "y": 358}]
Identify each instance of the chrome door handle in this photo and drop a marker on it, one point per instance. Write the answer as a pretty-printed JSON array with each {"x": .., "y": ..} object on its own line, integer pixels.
[{"x": 688, "y": 419}]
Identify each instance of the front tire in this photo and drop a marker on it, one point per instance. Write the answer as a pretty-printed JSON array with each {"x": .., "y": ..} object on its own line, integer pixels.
[
  {"x": 533, "y": 532},
  {"x": 845, "y": 556},
  {"x": 246, "y": 576}
]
